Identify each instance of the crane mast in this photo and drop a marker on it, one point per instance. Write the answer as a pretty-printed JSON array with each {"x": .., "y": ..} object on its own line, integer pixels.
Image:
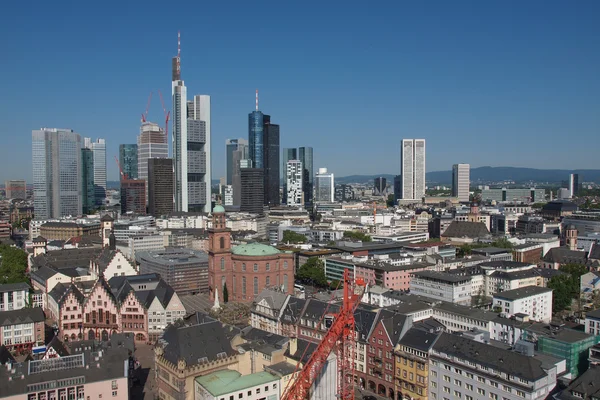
[{"x": 341, "y": 337}]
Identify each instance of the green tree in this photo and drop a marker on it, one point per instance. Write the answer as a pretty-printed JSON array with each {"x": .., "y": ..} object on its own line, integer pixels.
[
  {"x": 225, "y": 293},
  {"x": 293, "y": 237},
  {"x": 537, "y": 206},
  {"x": 13, "y": 265},
  {"x": 363, "y": 237},
  {"x": 313, "y": 271},
  {"x": 390, "y": 200},
  {"x": 566, "y": 287},
  {"x": 503, "y": 243},
  {"x": 464, "y": 250}
]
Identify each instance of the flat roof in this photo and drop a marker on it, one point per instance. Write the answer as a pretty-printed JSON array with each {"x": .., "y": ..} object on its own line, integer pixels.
[
  {"x": 521, "y": 293},
  {"x": 227, "y": 381},
  {"x": 442, "y": 276}
]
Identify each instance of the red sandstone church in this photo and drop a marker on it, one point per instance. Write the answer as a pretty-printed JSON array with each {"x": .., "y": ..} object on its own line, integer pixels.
[{"x": 246, "y": 269}]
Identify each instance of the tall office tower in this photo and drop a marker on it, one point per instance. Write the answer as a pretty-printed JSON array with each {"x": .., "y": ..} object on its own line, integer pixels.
[
  {"x": 99, "y": 149},
  {"x": 305, "y": 155},
  {"x": 294, "y": 183},
  {"x": 198, "y": 155},
  {"x": 271, "y": 162},
  {"x": 574, "y": 184},
  {"x": 239, "y": 161},
  {"x": 324, "y": 186},
  {"x": 412, "y": 166},
  {"x": 288, "y": 154},
  {"x": 16, "y": 189},
  {"x": 231, "y": 146},
  {"x": 128, "y": 159},
  {"x": 179, "y": 132},
  {"x": 253, "y": 192},
  {"x": 160, "y": 186},
  {"x": 461, "y": 181},
  {"x": 255, "y": 136},
  {"x": 379, "y": 186},
  {"x": 151, "y": 143},
  {"x": 397, "y": 188},
  {"x": 88, "y": 191},
  {"x": 133, "y": 196},
  {"x": 56, "y": 157},
  {"x": 228, "y": 195}
]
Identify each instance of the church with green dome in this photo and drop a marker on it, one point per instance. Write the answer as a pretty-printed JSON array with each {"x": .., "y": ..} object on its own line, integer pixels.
[{"x": 243, "y": 271}]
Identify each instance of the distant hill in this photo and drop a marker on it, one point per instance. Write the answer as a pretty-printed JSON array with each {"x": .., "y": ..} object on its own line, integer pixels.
[{"x": 492, "y": 174}]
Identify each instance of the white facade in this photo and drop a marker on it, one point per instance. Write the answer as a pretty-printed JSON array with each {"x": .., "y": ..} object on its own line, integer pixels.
[
  {"x": 294, "y": 183},
  {"x": 442, "y": 286},
  {"x": 180, "y": 139},
  {"x": 324, "y": 186},
  {"x": 533, "y": 301},
  {"x": 144, "y": 243},
  {"x": 461, "y": 181},
  {"x": 119, "y": 266},
  {"x": 412, "y": 165},
  {"x": 159, "y": 315},
  {"x": 13, "y": 298},
  {"x": 228, "y": 195}
]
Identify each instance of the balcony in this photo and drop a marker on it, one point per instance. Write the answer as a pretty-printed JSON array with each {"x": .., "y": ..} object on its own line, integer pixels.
[{"x": 377, "y": 361}]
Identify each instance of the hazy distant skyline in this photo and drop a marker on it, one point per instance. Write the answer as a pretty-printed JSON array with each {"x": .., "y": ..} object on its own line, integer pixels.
[{"x": 492, "y": 83}]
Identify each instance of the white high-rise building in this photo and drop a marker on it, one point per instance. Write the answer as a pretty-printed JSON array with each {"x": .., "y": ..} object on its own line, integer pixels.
[
  {"x": 198, "y": 154},
  {"x": 180, "y": 140},
  {"x": 228, "y": 195},
  {"x": 152, "y": 143},
  {"x": 98, "y": 148},
  {"x": 412, "y": 165},
  {"x": 461, "y": 181},
  {"x": 324, "y": 186},
  {"x": 294, "y": 183},
  {"x": 57, "y": 182}
]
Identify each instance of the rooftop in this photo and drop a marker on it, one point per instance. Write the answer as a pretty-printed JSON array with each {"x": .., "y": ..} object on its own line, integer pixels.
[
  {"x": 226, "y": 381},
  {"x": 22, "y": 316},
  {"x": 254, "y": 250},
  {"x": 521, "y": 293},
  {"x": 491, "y": 250},
  {"x": 11, "y": 287},
  {"x": 441, "y": 276}
]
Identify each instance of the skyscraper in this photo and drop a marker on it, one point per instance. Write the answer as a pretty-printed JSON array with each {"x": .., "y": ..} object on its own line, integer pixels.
[
  {"x": 252, "y": 198},
  {"x": 179, "y": 132},
  {"x": 56, "y": 158},
  {"x": 288, "y": 154},
  {"x": 412, "y": 166},
  {"x": 271, "y": 161},
  {"x": 461, "y": 181},
  {"x": 88, "y": 191},
  {"x": 379, "y": 186},
  {"x": 574, "y": 184},
  {"x": 133, "y": 196},
  {"x": 151, "y": 143},
  {"x": 160, "y": 186},
  {"x": 397, "y": 188},
  {"x": 305, "y": 155},
  {"x": 198, "y": 155},
  {"x": 231, "y": 146},
  {"x": 128, "y": 159},
  {"x": 294, "y": 183},
  {"x": 239, "y": 161},
  {"x": 99, "y": 149},
  {"x": 324, "y": 186},
  {"x": 255, "y": 136}
]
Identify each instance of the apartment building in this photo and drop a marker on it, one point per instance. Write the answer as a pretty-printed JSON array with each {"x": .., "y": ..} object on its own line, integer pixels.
[
  {"x": 14, "y": 296},
  {"x": 22, "y": 329},
  {"x": 453, "y": 288},
  {"x": 412, "y": 364},
  {"x": 534, "y": 301}
]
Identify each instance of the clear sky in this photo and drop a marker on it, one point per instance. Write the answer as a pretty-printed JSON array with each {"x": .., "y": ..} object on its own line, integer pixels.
[{"x": 501, "y": 83}]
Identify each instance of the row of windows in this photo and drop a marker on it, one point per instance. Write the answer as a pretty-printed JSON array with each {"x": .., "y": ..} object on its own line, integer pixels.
[{"x": 255, "y": 266}]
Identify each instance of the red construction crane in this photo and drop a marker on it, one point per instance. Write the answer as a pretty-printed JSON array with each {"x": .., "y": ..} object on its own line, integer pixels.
[
  {"x": 123, "y": 175},
  {"x": 340, "y": 337},
  {"x": 147, "y": 107},
  {"x": 167, "y": 117}
]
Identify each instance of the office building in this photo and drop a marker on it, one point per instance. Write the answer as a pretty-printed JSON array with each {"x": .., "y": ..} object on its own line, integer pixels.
[
  {"x": 151, "y": 143},
  {"x": 185, "y": 270},
  {"x": 133, "y": 196},
  {"x": 534, "y": 301},
  {"x": 160, "y": 186},
  {"x": 232, "y": 145},
  {"x": 179, "y": 117},
  {"x": 16, "y": 189},
  {"x": 412, "y": 164},
  {"x": 256, "y": 136},
  {"x": 574, "y": 184},
  {"x": 288, "y": 154},
  {"x": 397, "y": 188},
  {"x": 239, "y": 163},
  {"x": 88, "y": 191},
  {"x": 128, "y": 159},
  {"x": 514, "y": 195},
  {"x": 198, "y": 154},
  {"x": 294, "y": 183},
  {"x": 228, "y": 195},
  {"x": 305, "y": 155},
  {"x": 324, "y": 186},
  {"x": 379, "y": 187},
  {"x": 252, "y": 190},
  {"x": 56, "y": 158},
  {"x": 271, "y": 161},
  {"x": 344, "y": 193},
  {"x": 98, "y": 148},
  {"x": 461, "y": 181}
]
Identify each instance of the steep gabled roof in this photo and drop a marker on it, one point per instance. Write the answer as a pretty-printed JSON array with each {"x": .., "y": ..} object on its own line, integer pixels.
[
  {"x": 43, "y": 274},
  {"x": 395, "y": 324},
  {"x": 104, "y": 259},
  {"x": 102, "y": 283},
  {"x": 21, "y": 316},
  {"x": 58, "y": 346},
  {"x": 564, "y": 255},
  {"x": 75, "y": 291},
  {"x": 466, "y": 229},
  {"x": 293, "y": 310},
  {"x": 594, "y": 252}
]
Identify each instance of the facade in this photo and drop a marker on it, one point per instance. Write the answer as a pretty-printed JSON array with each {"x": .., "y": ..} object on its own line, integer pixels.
[
  {"x": 412, "y": 156},
  {"x": 271, "y": 162},
  {"x": 574, "y": 184},
  {"x": 180, "y": 136},
  {"x": 184, "y": 270},
  {"x": 228, "y": 384},
  {"x": 252, "y": 190},
  {"x": 232, "y": 145},
  {"x": 56, "y": 157},
  {"x": 256, "y": 136},
  {"x": 324, "y": 186},
  {"x": 531, "y": 300},
  {"x": 198, "y": 154},
  {"x": 88, "y": 190},
  {"x": 128, "y": 159},
  {"x": 99, "y": 150},
  {"x": 15, "y": 189},
  {"x": 228, "y": 195},
  {"x": 68, "y": 230},
  {"x": 531, "y": 195},
  {"x": 305, "y": 155},
  {"x": 379, "y": 186},
  {"x": 14, "y": 296},
  {"x": 293, "y": 181},
  {"x": 240, "y": 160},
  {"x": 133, "y": 196},
  {"x": 151, "y": 143},
  {"x": 245, "y": 269},
  {"x": 288, "y": 155},
  {"x": 442, "y": 286},
  {"x": 461, "y": 181},
  {"x": 22, "y": 329},
  {"x": 160, "y": 186},
  {"x": 592, "y": 323},
  {"x": 412, "y": 364}
]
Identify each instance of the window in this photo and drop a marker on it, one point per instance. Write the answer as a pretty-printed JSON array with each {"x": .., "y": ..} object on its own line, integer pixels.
[
  {"x": 222, "y": 242},
  {"x": 222, "y": 264},
  {"x": 468, "y": 386},
  {"x": 481, "y": 379},
  {"x": 255, "y": 285},
  {"x": 446, "y": 378},
  {"x": 243, "y": 267},
  {"x": 446, "y": 389},
  {"x": 244, "y": 285},
  {"x": 255, "y": 267},
  {"x": 285, "y": 283},
  {"x": 268, "y": 281},
  {"x": 114, "y": 393},
  {"x": 268, "y": 266},
  {"x": 481, "y": 391},
  {"x": 493, "y": 396},
  {"x": 285, "y": 265}
]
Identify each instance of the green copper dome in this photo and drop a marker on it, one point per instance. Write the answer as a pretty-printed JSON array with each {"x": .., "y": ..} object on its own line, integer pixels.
[
  {"x": 254, "y": 249},
  {"x": 218, "y": 209}
]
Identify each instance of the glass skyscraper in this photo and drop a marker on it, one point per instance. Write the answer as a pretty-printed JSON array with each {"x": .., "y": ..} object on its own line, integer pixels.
[
  {"x": 88, "y": 192},
  {"x": 56, "y": 158},
  {"x": 255, "y": 138},
  {"x": 231, "y": 146},
  {"x": 305, "y": 154},
  {"x": 128, "y": 158},
  {"x": 271, "y": 161}
]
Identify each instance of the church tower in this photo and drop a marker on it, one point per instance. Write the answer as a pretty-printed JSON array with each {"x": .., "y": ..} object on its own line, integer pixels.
[
  {"x": 219, "y": 255},
  {"x": 106, "y": 223},
  {"x": 571, "y": 237}
]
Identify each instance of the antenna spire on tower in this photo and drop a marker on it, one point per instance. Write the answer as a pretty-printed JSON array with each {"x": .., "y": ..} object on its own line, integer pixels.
[
  {"x": 256, "y": 99},
  {"x": 179, "y": 54}
]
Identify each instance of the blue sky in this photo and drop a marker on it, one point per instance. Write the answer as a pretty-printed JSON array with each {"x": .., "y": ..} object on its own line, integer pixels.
[{"x": 488, "y": 83}]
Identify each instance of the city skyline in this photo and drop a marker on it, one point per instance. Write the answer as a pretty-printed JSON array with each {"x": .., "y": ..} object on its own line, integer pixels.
[{"x": 521, "y": 87}]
